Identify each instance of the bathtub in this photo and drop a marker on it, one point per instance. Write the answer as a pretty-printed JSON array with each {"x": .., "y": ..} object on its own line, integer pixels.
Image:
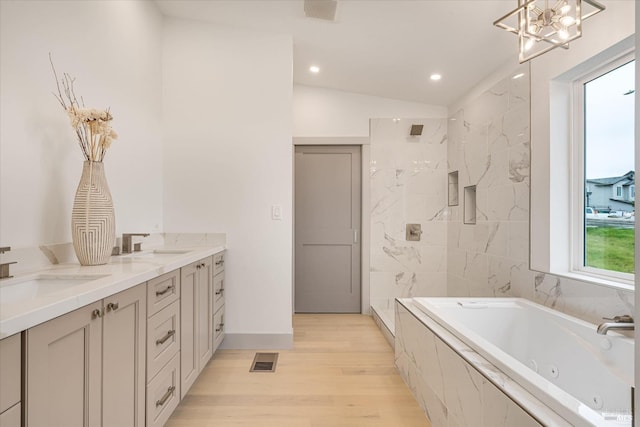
[{"x": 584, "y": 377}]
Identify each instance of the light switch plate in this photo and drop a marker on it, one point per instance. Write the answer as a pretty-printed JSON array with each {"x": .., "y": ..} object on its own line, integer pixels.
[{"x": 276, "y": 212}]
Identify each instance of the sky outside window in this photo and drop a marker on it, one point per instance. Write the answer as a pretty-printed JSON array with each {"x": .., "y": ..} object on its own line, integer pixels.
[{"x": 609, "y": 123}]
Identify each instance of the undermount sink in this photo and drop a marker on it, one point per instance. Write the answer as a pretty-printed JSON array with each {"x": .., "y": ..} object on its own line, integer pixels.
[
  {"x": 159, "y": 253},
  {"x": 171, "y": 251},
  {"x": 29, "y": 287}
]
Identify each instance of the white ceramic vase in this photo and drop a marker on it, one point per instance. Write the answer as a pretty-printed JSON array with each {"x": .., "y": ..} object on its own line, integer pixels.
[{"x": 93, "y": 222}]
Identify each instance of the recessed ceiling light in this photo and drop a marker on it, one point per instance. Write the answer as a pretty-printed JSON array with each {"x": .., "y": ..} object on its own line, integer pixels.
[
  {"x": 517, "y": 76},
  {"x": 314, "y": 69},
  {"x": 435, "y": 77}
]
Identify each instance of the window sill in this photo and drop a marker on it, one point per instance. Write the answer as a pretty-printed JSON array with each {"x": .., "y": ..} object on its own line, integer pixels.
[{"x": 592, "y": 279}]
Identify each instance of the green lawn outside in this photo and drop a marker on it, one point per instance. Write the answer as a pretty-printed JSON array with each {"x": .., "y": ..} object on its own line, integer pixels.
[{"x": 610, "y": 248}]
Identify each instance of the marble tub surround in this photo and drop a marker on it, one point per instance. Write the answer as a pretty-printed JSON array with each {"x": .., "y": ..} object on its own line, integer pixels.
[
  {"x": 408, "y": 181},
  {"x": 456, "y": 386},
  {"x": 489, "y": 145},
  {"x": 122, "y": 272}
]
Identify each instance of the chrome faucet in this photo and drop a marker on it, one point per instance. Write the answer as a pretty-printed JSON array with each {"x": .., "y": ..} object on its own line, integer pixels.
[
  {"x": 621, "y": 323},
  {"x": 4, "y": 268},
  {"x": 127, "y": 246}
]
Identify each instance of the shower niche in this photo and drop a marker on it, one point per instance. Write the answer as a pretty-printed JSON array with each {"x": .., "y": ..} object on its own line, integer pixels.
[
  {"x": 470, "y": 204},
  {"x": 453, "y": 189}
]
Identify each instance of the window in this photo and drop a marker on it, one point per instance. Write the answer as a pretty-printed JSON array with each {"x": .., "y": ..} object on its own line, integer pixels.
[{"x": 604, "y": 241}]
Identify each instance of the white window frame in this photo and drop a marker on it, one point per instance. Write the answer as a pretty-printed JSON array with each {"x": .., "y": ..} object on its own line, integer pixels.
[{"x": 578, "y": 177}]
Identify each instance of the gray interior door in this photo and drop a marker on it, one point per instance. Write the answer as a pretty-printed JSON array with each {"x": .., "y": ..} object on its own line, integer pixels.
[{"x": 327, "y": 229}]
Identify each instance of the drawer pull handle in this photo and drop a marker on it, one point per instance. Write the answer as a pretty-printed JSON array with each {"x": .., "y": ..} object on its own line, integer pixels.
[
  {"x": 220, "y": 291},
  {"x": 221, "y": 262},
  {"x": 97, "y": 313},
  {"x": 164, "y": 339},
  {"x": 219, "y": 328},
  {"x": 165, "y": 290},
  {"x": 113, "y": 306},
  {"x": 166, "y": 396}
]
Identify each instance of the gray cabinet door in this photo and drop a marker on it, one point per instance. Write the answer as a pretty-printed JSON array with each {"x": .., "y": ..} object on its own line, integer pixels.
[
  {"x": 64, "y": 370},
  {"x": 327, "y": 229},
  {"x": 123, "y": 358},
  {"x": 188, "y": 326},
  {"x": 205, "y": 313}
]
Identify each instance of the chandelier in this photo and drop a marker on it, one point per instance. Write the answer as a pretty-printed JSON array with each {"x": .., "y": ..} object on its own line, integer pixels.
[{"x": 543, "y": 25}]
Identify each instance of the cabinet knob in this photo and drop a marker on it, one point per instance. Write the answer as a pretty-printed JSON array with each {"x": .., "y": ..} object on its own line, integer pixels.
[
  {"x": 113, "y": 306},
  {"x": 97, "y": 313},
  {"x": 219, "y": 328}
]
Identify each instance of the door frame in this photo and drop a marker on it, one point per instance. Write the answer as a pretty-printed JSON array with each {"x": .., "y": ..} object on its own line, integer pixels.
[{"x": 365, "y": 226}]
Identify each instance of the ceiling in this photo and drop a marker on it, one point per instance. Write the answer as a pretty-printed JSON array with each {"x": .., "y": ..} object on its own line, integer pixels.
[{"x": 386, "y": 48}]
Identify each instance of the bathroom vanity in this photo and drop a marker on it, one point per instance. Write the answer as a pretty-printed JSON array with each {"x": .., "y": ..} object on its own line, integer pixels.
[{"x": 118, "y": 345}]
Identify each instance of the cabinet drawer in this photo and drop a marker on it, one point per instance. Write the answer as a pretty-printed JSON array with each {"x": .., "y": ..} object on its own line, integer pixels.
[
  {"x": 163, "y": 338},
  {"x": 163, "y": 393},
  {"x": 218, "y": 291},
  {"x": 218, "y": 263},
  {"x": 11, "y": 417},
  {"x": 162, "y": 291},
  {"x": 10, "y": 351},
  {"x": 218, "y": 328}
]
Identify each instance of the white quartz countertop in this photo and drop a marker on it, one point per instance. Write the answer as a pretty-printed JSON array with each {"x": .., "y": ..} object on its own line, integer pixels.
[{"x": 30, "y": 299}]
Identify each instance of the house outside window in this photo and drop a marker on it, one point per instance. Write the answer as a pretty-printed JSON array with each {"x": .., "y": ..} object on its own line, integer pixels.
[{"x": 604, "y": 239}]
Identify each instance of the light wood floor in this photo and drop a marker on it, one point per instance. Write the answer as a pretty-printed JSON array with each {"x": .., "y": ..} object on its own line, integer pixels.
[{"x": 340, "y": 373}]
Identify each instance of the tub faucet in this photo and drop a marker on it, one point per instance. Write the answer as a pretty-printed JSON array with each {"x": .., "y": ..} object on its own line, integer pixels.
[
  {"x": 127, "y": 246},
  {"x": 621, "y": 323}
]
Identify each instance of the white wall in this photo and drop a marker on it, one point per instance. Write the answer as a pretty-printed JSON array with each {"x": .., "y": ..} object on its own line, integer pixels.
[
  {"x": 227, "y": 159},
  {"x": 319, "y": 112},
  {"x": 113, "y": 48}
]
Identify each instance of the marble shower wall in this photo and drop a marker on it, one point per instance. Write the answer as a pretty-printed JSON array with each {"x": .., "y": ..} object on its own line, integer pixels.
[
  {"x": 408, "y": 185},
  {"x": 489, "y": 146}
]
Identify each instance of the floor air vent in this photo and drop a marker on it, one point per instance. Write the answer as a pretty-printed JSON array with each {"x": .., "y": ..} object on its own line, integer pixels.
[{"x": 264, "y": 362}]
